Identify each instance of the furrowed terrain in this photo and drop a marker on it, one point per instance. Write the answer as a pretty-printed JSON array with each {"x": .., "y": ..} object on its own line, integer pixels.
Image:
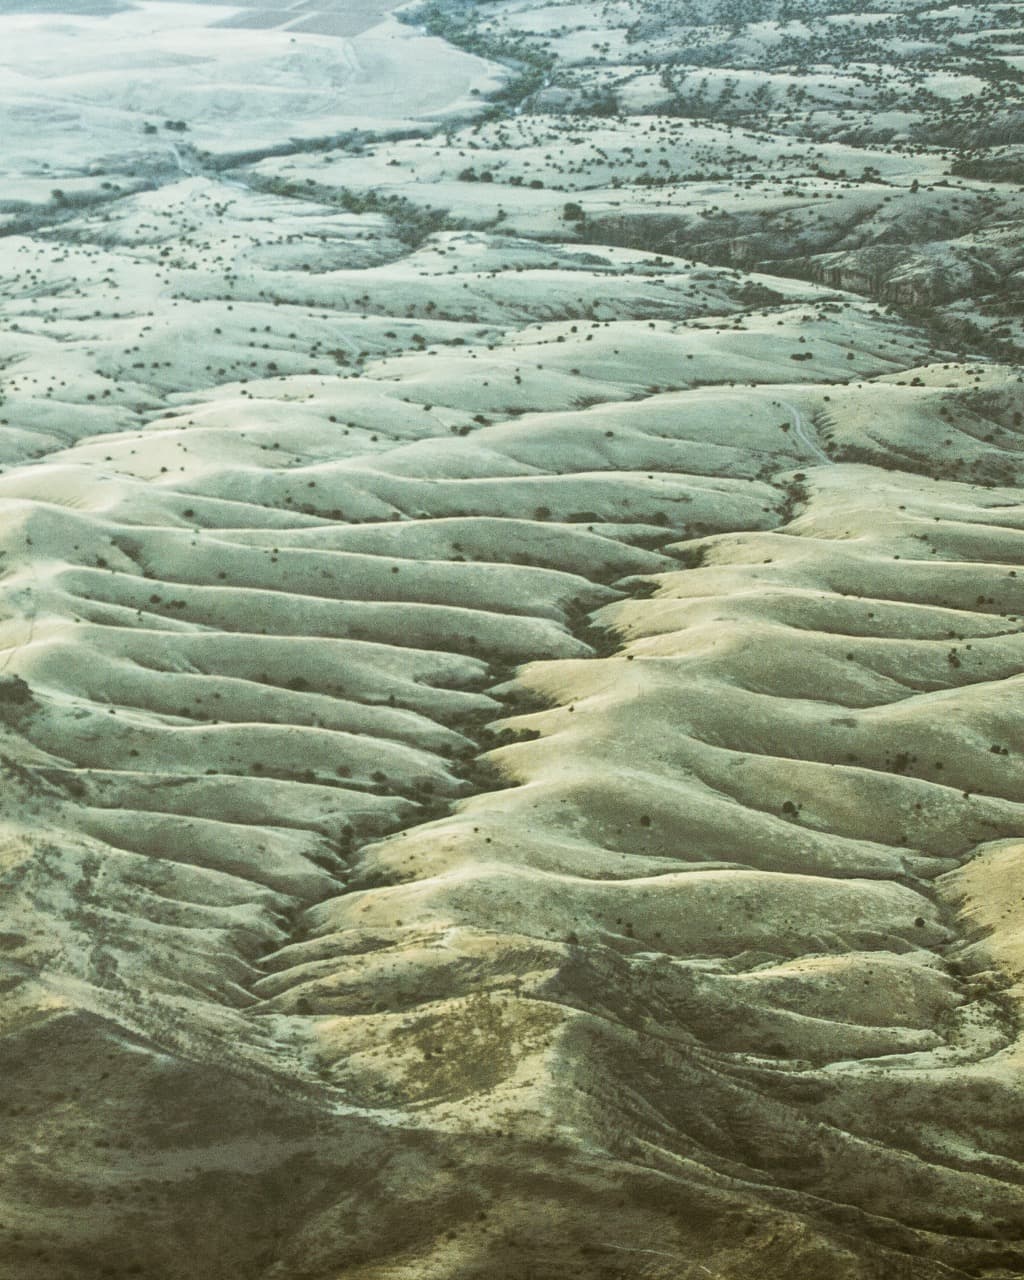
[{"x": 512, "y": 642}]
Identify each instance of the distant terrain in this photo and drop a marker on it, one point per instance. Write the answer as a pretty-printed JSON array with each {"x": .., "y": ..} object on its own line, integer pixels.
[{"x": 512, "y": 640}]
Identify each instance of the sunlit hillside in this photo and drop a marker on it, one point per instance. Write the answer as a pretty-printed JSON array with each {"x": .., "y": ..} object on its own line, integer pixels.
[{"x": 512, "y": 640}]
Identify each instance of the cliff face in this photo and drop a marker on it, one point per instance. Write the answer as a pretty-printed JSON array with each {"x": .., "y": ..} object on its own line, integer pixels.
[{"x": 510, "y": 647}]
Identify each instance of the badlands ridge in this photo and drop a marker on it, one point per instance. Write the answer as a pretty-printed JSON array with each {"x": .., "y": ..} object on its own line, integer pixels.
[{"x": 511, "y": 641}]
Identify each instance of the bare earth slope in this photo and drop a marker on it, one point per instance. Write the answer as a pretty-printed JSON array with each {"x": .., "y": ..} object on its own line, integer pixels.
[{"x": 511, "y": 644}]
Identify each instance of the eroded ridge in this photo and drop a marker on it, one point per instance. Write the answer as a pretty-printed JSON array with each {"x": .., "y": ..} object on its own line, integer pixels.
[{"x": 510, "y": 735}]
